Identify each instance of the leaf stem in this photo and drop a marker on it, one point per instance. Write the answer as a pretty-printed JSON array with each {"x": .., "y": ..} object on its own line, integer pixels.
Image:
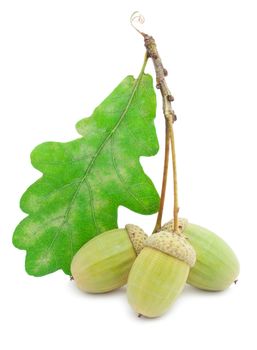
[
  {"x": 170, "y": 118},
  {"x": 144, "y": 64}
]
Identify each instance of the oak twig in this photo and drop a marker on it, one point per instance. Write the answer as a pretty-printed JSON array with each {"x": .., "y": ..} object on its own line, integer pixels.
[{"x": 170, "y": 118}]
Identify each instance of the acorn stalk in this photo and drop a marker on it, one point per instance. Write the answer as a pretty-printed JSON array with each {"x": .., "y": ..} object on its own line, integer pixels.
[{"x": 103, "y": 263}]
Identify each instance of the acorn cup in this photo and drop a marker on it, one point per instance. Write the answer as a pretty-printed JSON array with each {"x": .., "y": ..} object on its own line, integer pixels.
[
  {"x": 103, "y": 263},
  {"x": 159, "y": 273},
  {"x": 216, "y": 266}
]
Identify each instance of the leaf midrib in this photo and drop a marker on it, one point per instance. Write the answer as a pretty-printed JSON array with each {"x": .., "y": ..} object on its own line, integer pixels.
[{"x": 87, "y": 171}]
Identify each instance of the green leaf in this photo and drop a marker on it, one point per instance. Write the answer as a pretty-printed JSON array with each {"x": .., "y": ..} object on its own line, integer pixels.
[{"x": 85, "y": 181}]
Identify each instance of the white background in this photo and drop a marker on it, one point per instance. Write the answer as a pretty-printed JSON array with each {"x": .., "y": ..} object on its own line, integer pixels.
[{"x": 58, "y": 60}]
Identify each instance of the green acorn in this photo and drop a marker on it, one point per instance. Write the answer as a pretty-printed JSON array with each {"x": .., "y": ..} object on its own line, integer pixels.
[
  {"x": 103, "y": 263},
  {"x": 159, "y": 273},
  {"x": 217, "y": 266}
]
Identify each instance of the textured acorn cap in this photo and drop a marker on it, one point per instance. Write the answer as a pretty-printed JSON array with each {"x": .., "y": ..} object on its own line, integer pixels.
[
  {"x": 173, "y": 244},
  {"x": 169, "y": 226},
  {"x": 137, "y": 237}
]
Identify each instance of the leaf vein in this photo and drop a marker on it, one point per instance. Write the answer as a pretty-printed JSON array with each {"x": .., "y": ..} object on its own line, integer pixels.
[{"x": 120, "y": 177}]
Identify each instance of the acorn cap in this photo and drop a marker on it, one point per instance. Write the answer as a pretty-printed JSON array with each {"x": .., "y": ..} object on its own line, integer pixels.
[
  {"x": 173, "y": 244},
  {"x": 169, "y": 226},
  {"x": 137, "y": 237}
]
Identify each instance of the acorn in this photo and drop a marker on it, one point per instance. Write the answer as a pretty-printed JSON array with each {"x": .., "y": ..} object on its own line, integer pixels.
[
  {"x": 103, "y": 263},
  {"x": 159, "y": 273},
  {"x": 216, "y": 266}
]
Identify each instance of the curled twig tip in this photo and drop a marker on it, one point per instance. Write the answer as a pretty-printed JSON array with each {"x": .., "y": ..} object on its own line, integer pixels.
[{"x": 135, "y": 19}]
